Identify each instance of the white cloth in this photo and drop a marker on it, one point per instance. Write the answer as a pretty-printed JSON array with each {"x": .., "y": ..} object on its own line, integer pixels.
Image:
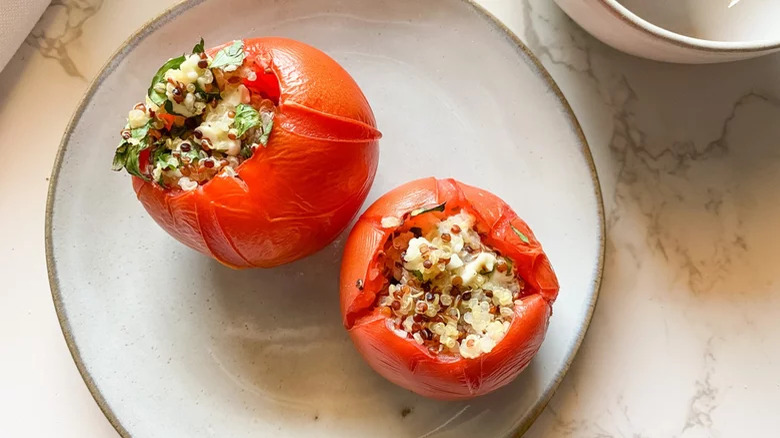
[{"x": 17, "y": 18}]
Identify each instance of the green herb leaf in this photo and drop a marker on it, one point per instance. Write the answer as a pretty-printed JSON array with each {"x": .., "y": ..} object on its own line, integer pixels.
[
  {"x": 246, "y": 151},
  {"x": 419, "y": 211},
  {"x": 131, "y": 160},
  {"x": 204, "y": 94},
  {"x": 193, "y": 155},
  {"x": 159, "y": 77},
  {"x": 157, "y": 154},
  {"x": 199, "y": 48},
  {"x": 177, "y": 131},
  {"x": 127, "y": 153},
  {"x": 486, "y": 272},
  {"x": 120, "y": 156},
  {"x": 268, "y": 124},
  {"x": 232, "y": 55},
  {"x": 167, "y": 161},
  {"x": 417, "y": 274},
  {"x": 169, "y": 109},
  {"x": 510, "y": 264},
  {"x": 141, "y": 132},
  {"x": 522, "y": 236},
  {"x": 246, "y": 118}
]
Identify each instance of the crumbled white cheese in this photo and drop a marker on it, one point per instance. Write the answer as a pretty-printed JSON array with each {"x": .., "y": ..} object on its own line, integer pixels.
[
  {"x": 478, "y": 308},
  {"x": 483, "y": 262},
  {"x": 217, "y": 123},
  {"x": 455, "y": 262},
  {"x": 137, "y": 118},
  {"x": 390, "y": 222},
  {"x": 187, "y": 75},
  {"x": 187, "y": 184}
]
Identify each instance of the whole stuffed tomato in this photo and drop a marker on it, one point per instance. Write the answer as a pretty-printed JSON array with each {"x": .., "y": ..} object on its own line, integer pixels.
[
  {"x": 444, "y": 290},
  {"x": 257, "y": 152}
]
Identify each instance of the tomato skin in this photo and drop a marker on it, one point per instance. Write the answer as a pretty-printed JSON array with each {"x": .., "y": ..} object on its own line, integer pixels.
[
  {"x": 403, "y": 361},
  {"x": 295, "y": 195}
]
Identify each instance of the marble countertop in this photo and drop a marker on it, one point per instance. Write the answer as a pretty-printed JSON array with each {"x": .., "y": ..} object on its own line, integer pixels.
[{"x": 685, "y": 341}]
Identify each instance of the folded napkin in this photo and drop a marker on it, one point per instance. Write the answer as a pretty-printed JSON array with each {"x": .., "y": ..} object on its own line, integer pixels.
[{"x": 17, "y": 18}]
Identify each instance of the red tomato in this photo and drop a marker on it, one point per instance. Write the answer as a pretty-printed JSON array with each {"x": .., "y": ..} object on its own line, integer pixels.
[
  {"x": 295, "y": 195},
  {"x": 409, "y": 364}
]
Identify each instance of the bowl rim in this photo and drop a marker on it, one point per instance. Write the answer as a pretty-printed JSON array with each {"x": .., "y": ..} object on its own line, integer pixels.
[{"x": 622, "y": 13}]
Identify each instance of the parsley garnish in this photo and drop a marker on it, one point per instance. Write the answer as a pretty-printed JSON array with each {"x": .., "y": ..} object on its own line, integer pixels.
[
  {"x": 167, "y": 161},
  {"x": 510, "y": 264},
  {"x": 131, "y": 160},
  {"x": 120, "y": 157},
  {"x": 522, "y": 236},
  {"x": 246, "y": 118},
  {"x": 141, "y": 132},
  {"x": 169, "y": 109},
  {"x": 230, "y": 56},
  {"x": 205, "y": 95},
  {"x": 128, "y": 152},
  {"x": 486, "y": 272},
  {"x": 199, "y": 48},
  {"x": 246, "y": 151},
  {"x": 268, "y": 124},
  {"x": 155, "y": 96},
  {"x": 419, "y": 211}
]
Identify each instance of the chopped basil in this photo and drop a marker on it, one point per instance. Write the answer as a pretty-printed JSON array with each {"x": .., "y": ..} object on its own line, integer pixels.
[
  {"x": 177, "y": 131},
  {"x": 230, "y": 56},
  {"x": 131, "y": 160},
  {"x": 169, "y": 109},
  {"x": 167, "y": 161},
  {"x": 417, "y": 274},
  {"x": 120, "y": 157},
  {"x": 205, "y": 95},
  {"x": 268, "y": 123},
  {"x": 510, "y": 264},
  {"x": 158, "y": 97},
  {"x": 126, "y": 155},
  {"x": 199, "y": 48},
  {"x": 141, "y": 132},
  {"x": 193, "y": 155},
  {"x": 246, "y": 151},
  {"x": 486, "y": 272},
  {"x": 246, "y": 118},
  {"x": 162, "y": 158},
  {"x": 522, "y": 236},
  {"x": 419, "y": 211}
]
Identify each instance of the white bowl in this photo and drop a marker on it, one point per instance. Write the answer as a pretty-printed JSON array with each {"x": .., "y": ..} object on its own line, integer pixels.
[{"x": 684, "y": 31}]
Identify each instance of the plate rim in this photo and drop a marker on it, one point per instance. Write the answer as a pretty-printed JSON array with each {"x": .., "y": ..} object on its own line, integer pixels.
[{"x": 183, "y": 5}]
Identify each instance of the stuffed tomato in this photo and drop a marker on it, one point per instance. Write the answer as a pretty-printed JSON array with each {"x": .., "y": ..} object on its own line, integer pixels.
[
  {"x": 444, "y": 290},
  {"x": 257, "y": 152}
]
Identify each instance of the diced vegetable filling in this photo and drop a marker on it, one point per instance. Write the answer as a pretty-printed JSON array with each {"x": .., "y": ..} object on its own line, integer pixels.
[
  {"x": 447, "y": 290},
  {"x": 199, "y": 121}
]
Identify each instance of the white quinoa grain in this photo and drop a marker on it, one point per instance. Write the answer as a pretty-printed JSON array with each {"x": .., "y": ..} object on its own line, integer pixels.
[{"x": 464, "y": 302}]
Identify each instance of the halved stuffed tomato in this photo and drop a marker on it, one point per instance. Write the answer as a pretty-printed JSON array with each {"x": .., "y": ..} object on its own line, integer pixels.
[
  {"x": 257, "y": 152},
  {"x": 444, "y": 290}
]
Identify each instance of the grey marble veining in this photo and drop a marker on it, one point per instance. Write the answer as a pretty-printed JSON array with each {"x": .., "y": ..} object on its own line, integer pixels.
[
  {"x": 61, "y": 24},
  {"x": 688, "y": 158}
]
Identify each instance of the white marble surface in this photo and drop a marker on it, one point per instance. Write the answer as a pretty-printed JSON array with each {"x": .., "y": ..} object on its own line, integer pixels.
[{"x": 685, "y": 341}]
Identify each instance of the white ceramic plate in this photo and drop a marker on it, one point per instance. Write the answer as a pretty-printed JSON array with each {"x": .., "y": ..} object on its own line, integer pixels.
[{"x": 172, "y": 344}]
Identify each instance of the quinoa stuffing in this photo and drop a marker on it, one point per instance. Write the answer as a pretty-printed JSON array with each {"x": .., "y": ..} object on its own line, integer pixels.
[
  {"x": 198, "y": 121},
  {"x": 445, "y": 288}
]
